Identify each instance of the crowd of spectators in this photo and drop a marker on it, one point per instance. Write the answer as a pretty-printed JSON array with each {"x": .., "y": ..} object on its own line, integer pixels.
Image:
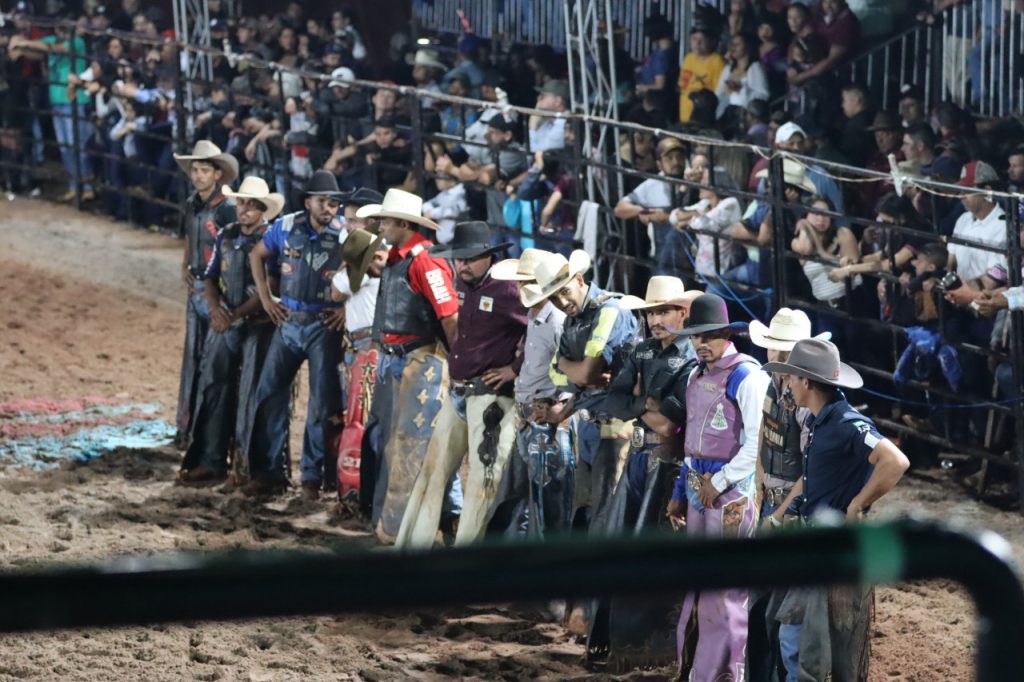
[{"x": 490, "y": 163}]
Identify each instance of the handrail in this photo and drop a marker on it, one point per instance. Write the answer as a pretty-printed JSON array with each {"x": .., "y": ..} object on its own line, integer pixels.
[{"x": 144, "y": 590}]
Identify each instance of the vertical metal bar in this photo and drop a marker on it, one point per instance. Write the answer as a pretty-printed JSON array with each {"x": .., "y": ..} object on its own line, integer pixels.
[
  {"x": 76, "y": 141},
  {"x": 778, "y": 199},
  {"x": 885, "y": 77},
  {"x": 286, "y": 122}
]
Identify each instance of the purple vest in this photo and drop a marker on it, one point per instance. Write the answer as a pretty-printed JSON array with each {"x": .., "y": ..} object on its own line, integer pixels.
[{"x": 713, "y": 421}]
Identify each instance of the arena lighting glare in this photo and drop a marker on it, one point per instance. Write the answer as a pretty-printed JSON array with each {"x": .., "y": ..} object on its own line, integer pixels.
[{"x": 423, "y": 41}]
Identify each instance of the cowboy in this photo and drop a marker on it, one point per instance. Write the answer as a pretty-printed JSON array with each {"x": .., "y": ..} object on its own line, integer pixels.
[
  {"x": 847, "y": 466},
  {"x": 724, "y": 400},
  {"x": 776, "y": 485},
  {"x": 478, "y": 413},
  {"x": 355, "y": 201},
  {"x": 538, "y": 495},
  {"x": 236, "y": 344},
  {"x": 414, "y": 322},
  {"x": 307, "y": 246},
  {"x": 358, "y": 286},
  {"x": 206, "y": 213},
  {"x": 651, "y": 389}
]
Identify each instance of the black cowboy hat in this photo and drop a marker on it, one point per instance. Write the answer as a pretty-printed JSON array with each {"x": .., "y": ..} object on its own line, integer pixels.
[
  {"x": 708, "y": 313},
  {"x": 470, "y": 240},
  {"x": 364, "y": 196},
  {"x": 323, "y": 184}
]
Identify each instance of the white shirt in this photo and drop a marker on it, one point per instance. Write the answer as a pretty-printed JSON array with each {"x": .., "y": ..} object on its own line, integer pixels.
[
  {"x": 972, "y": 263},
  {"x": 445, "y": 209},
  {"x": 750, "y": 398},
  {"x": 754, "y": 85},
  {"x": 717, "y": 220},
  {"x": 360, "y": 306},
  {"x": 550, "y": 134},
  {"x": 652, "y": 193}
]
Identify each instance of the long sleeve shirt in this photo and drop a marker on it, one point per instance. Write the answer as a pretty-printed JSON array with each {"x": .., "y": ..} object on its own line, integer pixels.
[
  {"x": 542, "y": 335},
  {"x": 660, "y": 373},
  {"x": 492, "y": 323}
]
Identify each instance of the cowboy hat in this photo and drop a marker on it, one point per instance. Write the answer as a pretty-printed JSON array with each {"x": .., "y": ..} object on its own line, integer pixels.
[
  {"x": 427, "y": 58},
  {"x": 518, "y": 269},
  {"x": 323, "y": 184},
  {"x": 552, "y": 273},
  {"x": 708, "y": 313},
  {"x": 357, "y": 251},
  {"x": 793, "y": 174},
  {"x": 401, "y": 205},
  {"x": 204, "y": 150},
  {"x": 786, "y": 328},
  {"x": 817, "y": 360},
  {"x": 661, "y": 290},
  {"x": 470, "y": 240},
  {"x": 256, "y": 188},
  {"x": 364, "y": 196}
]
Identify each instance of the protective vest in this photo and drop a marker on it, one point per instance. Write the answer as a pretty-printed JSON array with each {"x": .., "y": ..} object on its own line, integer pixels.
[
  {"x": 308, "y": 260},
  {"x": 780, "y": 439},
  {"x": 401, "y": 309},
  {"x": 201, "y": 227},
  {"x": 713, "y": 419},
  {"x": 579, "y": 329},
  {"x": 236, "y": 282}
]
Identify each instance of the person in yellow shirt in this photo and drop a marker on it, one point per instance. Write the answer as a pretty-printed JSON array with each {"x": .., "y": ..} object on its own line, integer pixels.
[{"x": 701, "y": 69}]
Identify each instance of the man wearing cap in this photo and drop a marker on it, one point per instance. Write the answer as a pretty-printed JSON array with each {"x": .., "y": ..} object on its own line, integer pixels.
[
  {"x": 357, "y": 286},
  {"x": 507, "y": 164},
  {"x": 724, "y": 406},
  {"x": 415, "y": 321},
  {"x": 307, "y": 246},
  {"x": 791, "y": 137},
  {"x": 983, "y": 223},
  {"x": 847, "y": 466},
  {"x": 206, "y": 213},
  {"x": 478, "y": 415},
  {"x": 651, "y": 389},
  {"x": 546, "y": 132},
  {"x": 235, "y": 347}
]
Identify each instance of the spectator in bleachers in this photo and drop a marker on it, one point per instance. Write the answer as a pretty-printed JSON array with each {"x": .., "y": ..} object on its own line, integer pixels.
[
  {"x": 756, "y": 126},
  {"x": 772, "y": 50},
  {"x": 918, "y": 148},
  {"x": 656, "y": 77},
  {"x": 840, "y": 29},
  {"x": 816, "y": 96},
  {"x": 426, "y": 69},
  {"x": 342, "y": 24},
  {"x": 798, "y": 19},
  {"x": 741, "y": 19},
  {"x": 466, "y": 65},
  {"x": 700, "y": 70},
  {"x": 388, "y": 158},
  {"x": 856, "y": 141},
  {"x": 637, "y": 152},
  {"x": 711, "y": 217},
  {"x": 791, "y": 137},
  {"x": 447, "y": 207},
  {"x": 888, "y": 138},
  {"x": 549, "y": 133},
  {"x": 985, "y": 223},
  {"x": 911, "y": 106},
  {"x": 455, "y": 118},
  {"x": 743, "y": 80}
]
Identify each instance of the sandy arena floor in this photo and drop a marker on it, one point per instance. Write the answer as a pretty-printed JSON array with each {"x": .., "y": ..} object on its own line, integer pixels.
[{"x": 92, "y": 308}]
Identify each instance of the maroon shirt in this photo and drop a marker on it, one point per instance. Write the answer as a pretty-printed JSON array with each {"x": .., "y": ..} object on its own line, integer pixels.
[
  {"x": 843, "y": 30},
  {"x": 492, "y": 324}
]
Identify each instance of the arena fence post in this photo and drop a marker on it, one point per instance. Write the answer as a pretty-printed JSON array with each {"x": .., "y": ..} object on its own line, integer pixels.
[
  {"x": 1016, "y": 338},
  {"x": 76, "y": 139},
  {"x": 416, "y": 142},
  {"x": 286, "y": 150},
  {"x": 779, "y": 246}
]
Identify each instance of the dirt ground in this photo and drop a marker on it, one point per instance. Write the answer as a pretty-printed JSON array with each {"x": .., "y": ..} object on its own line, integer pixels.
[{"x": 95, "y": 308}]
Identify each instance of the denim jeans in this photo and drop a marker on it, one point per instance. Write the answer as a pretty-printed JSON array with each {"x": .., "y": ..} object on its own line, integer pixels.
[{"x": 64, "y": 128}]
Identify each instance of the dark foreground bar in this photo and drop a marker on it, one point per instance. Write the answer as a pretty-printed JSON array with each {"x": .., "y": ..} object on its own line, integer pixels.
[{"x": 137, "y": 591}]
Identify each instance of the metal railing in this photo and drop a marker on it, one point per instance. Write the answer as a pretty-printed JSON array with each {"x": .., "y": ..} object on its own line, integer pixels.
[{"x": 246, "y": 584}]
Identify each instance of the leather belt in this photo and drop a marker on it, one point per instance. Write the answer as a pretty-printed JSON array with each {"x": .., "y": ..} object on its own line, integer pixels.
[
  {"x": 472, "y": 387},
  {"x": 307, "y": 316},
  {"x": 642, "y": 437},
  {"x": 360, "y": 334},
  {"x": 400, "y": 350}
]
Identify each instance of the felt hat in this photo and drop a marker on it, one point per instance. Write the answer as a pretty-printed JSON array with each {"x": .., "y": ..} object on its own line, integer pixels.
[
  {"x": 786, "y": 328},
  {"x": 708, "y": 313},
  {"x": 401, "y": 205},
  {"x": 552, "y": 273},
  {"x": 793, "y": 174},
  {"x": 518, "y": 269},
  {"x": 254, "y": 187},
  {"x": 470, "y": 240},
  {"x": 885, "y": 120},
  {"x": 323, "y": 184},
  {"x": 204, "y": 150},
  {"x": 357, "y": 251},
  {"x": 364, "y": 196},
  {"x": 818, "y": 360},
  {"x": 661, "y": 290}
]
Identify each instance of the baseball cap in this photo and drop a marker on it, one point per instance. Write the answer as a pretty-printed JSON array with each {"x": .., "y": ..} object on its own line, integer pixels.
[
  {"x": 343, "y": 73},
  {"x": 499, "y": 122},
  {"x": 977, "y": 173},
  {"x": 885, "y": 120},
  {"x": 943, "y": 167},
  {"x": 333, "y": 48},
  {"x": 556, "y": 87},
  {"x": 786, "y": 132},
  {"x": 669, "y": 144},
  {"x": 911, "y": 90}
]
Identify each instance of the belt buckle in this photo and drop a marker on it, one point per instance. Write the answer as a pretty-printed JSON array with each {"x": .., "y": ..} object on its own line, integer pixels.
[
  {"x": 694, "y": 480},
  {"x": 639, "y": 439}
]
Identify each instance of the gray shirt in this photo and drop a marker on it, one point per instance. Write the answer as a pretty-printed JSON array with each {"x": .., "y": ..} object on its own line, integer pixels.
[{"x": 543, "y": 332}]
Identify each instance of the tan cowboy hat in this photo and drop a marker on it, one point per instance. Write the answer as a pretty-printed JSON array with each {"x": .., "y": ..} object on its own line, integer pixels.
[
  {"x": 208, "y": 151},
  {"x": 552, "y": 273},
  {"x": 428, "y": 58},
  {"x": 518, "y": 269},
  {"x": 793, "y": 174},
  {"x": 401, "y": 205},
  {"x": 256, "y": 188},
  {"x": 661, "y": 290},
  {"x": 357, "y": 251},
  {"x": 817, "y": 360},
  {"x": 786, "y": 328}
]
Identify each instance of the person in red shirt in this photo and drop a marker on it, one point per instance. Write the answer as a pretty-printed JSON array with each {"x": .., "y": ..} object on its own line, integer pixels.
[
  {"x": 415, "y": 322},
  {"x": 840, "y": 28}
]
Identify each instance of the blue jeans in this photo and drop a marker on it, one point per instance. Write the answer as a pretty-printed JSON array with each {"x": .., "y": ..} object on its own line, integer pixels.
[
  {"x": 64, "y": 128},
  {"x": 293, "y": 343}
]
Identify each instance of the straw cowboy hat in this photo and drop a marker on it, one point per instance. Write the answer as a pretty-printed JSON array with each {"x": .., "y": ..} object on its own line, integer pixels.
[
  {"x": 786, "y": 328},
  {"x": 793, "y": 174},
  {"x": 208, "y": 151},
  {"x": 401, "y": 205},
  {"x": 256, "y": 188},
  {"x": 661, "y": 290},
  {"x": 817, "y": 360},
  {"x": 708, "y": 313},
  {"x": 357, "y": 251},
  {"x": 518, "y": 269},
  {"x": 471, "y": 239},
  {"x": 427, "y": 58},
  {"x": 552, "y": 273}
]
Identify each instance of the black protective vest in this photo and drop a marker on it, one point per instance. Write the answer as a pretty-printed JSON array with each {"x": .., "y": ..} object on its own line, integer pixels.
[
  {"x": 201, "y": 227},
  {"x": 780, "y": 439},
  {"x": 578, "y": 330},
  {"x": 308, "y": 260},
  {"x": 236, "y": 282},
  {"x": 400, "y": 309}
]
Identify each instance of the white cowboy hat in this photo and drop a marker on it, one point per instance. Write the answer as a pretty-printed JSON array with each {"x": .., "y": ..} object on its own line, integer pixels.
[
  {"x": 208, "y": 151},
  {"x": 368, "y": 211},
  {"x": 401, "y": 205},
  {"x": 256, "y": 188},
  {"x": 552, "y": 273},
  {"x": 661, "y": 290},
  {"x": 786, "y": 328},
  {"x": 518, "y": 269},
  {"x": 428, "y": 58},
  {"x": 793, "y": 174},
  {"x": 817, "y": 360}
]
